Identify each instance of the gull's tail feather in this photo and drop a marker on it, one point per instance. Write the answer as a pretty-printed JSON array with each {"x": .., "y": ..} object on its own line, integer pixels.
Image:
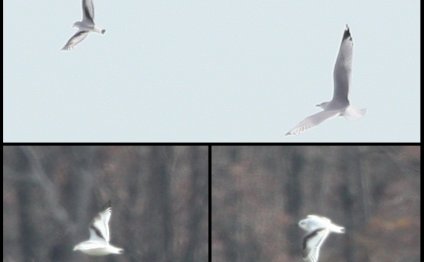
[{"x": 352, "y": 113}]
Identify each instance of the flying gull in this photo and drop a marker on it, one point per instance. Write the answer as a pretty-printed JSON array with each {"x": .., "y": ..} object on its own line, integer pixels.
[
  {"x": 318, "y": 228},
  {"x": 98, "y": 243},
  {"x": 339, "y": 105},
  {"x": 85, "y": 26}
]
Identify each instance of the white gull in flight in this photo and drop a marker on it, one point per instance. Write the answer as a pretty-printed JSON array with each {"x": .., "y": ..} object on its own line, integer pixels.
[
  {"x": 85, "y": 26},
  {"x": 98, "y": 243},
  {"x": 339, "y": 105},
  {"x": 318, "y": 228}
]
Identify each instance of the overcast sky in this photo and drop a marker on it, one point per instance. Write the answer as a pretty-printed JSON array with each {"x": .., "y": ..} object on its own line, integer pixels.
[{"x": 210, "y": 71}]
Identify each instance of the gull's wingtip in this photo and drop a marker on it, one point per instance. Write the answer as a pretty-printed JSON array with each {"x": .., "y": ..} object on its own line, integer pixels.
[
  {"x": 347, "y": 33},
  {"x": 107, "y": 205},
  {"x": 295, "y": 131}
]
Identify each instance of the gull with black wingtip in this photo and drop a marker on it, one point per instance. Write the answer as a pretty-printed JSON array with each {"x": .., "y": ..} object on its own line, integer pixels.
[
  {"x": 339, "y": 105},
  {"x": 85, "y": 26},
  {"x": 318, "y": 228},
  {"x": 98, "y": 243}
]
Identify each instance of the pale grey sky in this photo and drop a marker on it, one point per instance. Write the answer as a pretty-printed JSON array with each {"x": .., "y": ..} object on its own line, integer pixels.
[{"x": 209, "y": 71}]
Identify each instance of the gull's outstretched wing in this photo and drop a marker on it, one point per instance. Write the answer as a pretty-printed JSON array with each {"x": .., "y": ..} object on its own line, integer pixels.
[
  {"x": 75, "y": 39},
  {"x": 88, "y": 11},
  {"x": 312, "y": 121},
  {"x": 99, "y": 227},
  {"x": 312, "y": 244},
  {"x": 342, "y": 70}
]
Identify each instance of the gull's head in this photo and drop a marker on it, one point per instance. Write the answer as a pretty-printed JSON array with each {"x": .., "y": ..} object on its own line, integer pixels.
[
  {"x": 304, "y": 224},
  {"x": 336, "y": 228},
  {"x": 99, "y": 30},
  {"x": 340, "y": 230},
  {"x": 323, "y": 105}
]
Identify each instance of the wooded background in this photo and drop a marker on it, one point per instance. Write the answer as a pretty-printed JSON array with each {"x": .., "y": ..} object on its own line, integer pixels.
[
  {"x": 159, "y": 200},
  {"x": 260, "y": 193}
]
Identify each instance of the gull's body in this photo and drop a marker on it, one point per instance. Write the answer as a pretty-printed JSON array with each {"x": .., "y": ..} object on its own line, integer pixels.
[
  {"x": 318, "y": 228},
  {"x": 85, "y": 26},
  {"x": 98, "y": 243},
  {"x": 339, "y": 105}
]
